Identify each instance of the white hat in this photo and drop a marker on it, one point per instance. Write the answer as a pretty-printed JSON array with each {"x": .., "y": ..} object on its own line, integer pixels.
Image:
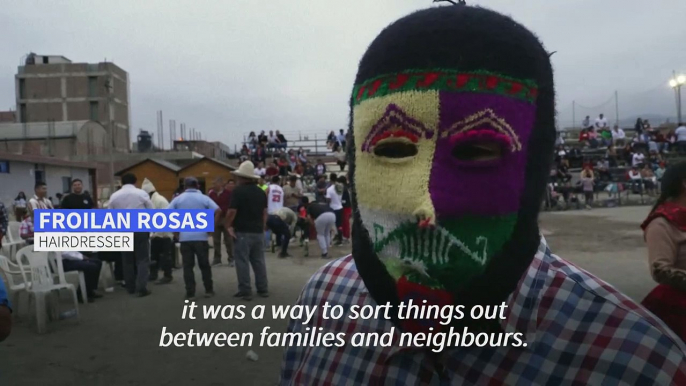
[{"x": 246, "y": 170}]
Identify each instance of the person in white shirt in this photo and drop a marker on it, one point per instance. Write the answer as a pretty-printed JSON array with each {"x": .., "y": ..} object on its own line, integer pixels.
[
  {"x": 600, "y": 122},
  {"x": 618, "y": 136},
  {"x": 681, "y": 138},
  {"x": 559, "y": 140},
  {"x": 334, "y": 197},
  {"x": 161, "y": 243},
  {"x": 274, "y": 196},
  {"x": 40, "y": 199},
  {"x": 340, "y": 138},
  {"x": 636, "y": 179},
  {"x": 272, "y": 140},
  {"x": 260, "y": 170},
  {"x": 130, "y": 197},
  {"x": 637, "y": 159},
  {"x": 586, "y": 123},
  {"x": 274, "y": 203}
]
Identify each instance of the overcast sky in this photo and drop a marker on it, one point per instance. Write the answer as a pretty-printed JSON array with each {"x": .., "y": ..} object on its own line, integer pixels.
[{"x": 227, "y": 67}]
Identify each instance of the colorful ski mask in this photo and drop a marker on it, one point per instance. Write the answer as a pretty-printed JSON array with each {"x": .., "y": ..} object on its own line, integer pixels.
[{"x": 452, "y": 132}]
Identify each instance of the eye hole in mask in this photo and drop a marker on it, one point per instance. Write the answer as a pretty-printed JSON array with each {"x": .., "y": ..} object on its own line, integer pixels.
[
  {"x": 395, "y": 144},
  {"x": 480, "y": 145}
]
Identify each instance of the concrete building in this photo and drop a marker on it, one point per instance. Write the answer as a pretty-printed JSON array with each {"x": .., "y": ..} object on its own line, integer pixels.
[
  {"x": 53, "y": 139},
  {"x": 22, "y": 172},
  {"x": 52, "y": 88}
]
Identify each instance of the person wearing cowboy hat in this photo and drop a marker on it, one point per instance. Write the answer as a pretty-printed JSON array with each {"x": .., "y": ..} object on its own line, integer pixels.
[{"x": 246, "y": 221}]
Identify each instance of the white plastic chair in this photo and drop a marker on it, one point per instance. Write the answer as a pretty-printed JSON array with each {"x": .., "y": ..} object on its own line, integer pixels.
[
  {"x": 42, "y": 282},
  {"x": 12, "y": 241},
  {"x": 15, "y": 280},
  {"x": 11, "y": 272}
]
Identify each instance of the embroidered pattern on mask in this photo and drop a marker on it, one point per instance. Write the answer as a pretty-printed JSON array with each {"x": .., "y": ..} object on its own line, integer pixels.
[
  {"x": 481, "y": 125},
  {"x": 446, "y": 80},
  {"x": 449, "y": 252},
  {"x": 395, "y": 123}
]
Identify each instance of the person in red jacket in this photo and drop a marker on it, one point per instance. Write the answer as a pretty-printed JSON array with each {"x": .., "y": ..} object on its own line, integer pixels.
[{"x": 583, "y": 137}]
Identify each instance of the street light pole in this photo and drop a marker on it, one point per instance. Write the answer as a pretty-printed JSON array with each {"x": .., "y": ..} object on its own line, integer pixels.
[{"x": 676, "y": 83}]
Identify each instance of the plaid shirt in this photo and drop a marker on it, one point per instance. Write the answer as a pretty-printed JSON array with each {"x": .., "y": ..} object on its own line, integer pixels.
[
  {"x": 579, "y": 331},
  {"x": 26, "y": 227},
  {"x": 4, "y": 218}
]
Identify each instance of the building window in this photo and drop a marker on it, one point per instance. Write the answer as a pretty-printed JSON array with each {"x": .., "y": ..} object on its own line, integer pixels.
[
  {"x": 39, "y": 173},
  {"x": 22, "y": 112},
  {"x": 45, "y": 60},
  {"x": 92, "y": 86},
  {"x": 66, "y": 184},
  {"x": 39, "y": 176},
  {"x": 94, "y": 116},
  {"x": 4, "y": 166},
  {"x": 22, "y": 88}
]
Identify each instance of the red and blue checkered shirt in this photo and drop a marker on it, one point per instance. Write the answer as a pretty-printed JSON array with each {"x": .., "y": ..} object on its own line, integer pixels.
[{"x": 579, "y": 331}]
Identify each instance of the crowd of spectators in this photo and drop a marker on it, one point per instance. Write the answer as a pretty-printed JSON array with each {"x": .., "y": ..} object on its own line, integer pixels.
[{"x": 613, "y": 161}]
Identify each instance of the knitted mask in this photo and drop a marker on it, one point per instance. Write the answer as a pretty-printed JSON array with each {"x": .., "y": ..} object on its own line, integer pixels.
[{"x": 452, "y": 134}]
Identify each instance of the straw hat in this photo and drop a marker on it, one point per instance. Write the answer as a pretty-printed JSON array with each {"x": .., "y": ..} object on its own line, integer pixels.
[{"x": 246, "y": 170}]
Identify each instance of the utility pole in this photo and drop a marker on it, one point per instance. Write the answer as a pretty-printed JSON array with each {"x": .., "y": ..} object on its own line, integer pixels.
[
  {"x": 161, "y": 131},
  {"x": 573, "y": 114},
  {"x": 616, "y": 108},
  {"x": 109, "y": 85}
]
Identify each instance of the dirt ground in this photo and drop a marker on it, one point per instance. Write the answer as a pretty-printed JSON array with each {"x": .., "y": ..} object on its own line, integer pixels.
[{"x": 117, "y": 340}]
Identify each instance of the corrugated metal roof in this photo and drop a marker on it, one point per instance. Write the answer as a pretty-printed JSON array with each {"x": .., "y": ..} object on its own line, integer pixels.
[
  {"x": 215, "y": 160},
  {"x": 14, "y": 131},
  {"x": 165, "y": 164}
]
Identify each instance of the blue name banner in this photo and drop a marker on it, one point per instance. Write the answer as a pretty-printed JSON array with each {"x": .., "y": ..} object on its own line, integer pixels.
[{"x": 123, "y": 220}]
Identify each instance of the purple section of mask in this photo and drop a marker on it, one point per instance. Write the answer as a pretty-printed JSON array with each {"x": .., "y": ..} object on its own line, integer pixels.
[{"x": 460, "y": 188}]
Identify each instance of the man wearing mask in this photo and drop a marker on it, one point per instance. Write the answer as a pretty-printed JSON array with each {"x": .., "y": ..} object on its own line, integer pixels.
[
  {"x": 161, "y": 243},
  {"x": 453, "y": 108},
  {"x": 221, "y": 197}
]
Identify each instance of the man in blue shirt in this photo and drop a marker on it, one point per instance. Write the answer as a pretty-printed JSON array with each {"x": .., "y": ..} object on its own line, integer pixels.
[
  {"x": 5, "y": 313},
  {"x": 194, "y": 244}
]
